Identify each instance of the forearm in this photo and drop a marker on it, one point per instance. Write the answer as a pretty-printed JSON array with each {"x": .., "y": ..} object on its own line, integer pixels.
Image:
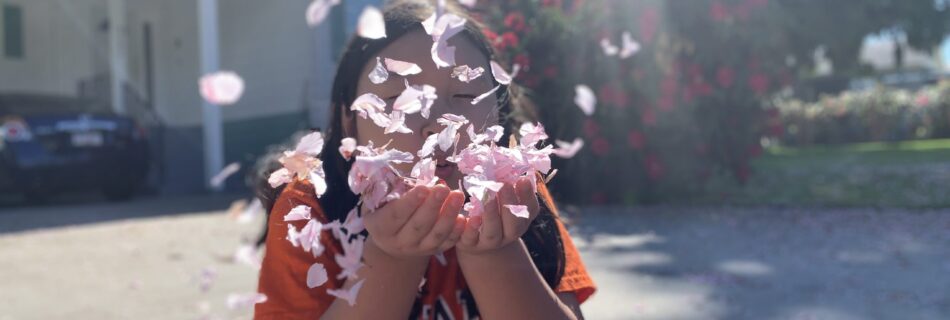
[
  {"x": 389, "y": 289},
  {"x": 507, "y": 285}
]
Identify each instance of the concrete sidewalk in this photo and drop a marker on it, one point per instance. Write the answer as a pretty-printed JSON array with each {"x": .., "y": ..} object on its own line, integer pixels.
[{"x": 649, "y": 263}]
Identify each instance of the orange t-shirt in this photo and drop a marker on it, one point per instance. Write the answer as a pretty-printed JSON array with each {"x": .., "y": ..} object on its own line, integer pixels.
[{"x": 283, "y": 274}]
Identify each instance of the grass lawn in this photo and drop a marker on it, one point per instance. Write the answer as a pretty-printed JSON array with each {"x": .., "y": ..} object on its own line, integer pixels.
[{"x": 912, "y": 174}]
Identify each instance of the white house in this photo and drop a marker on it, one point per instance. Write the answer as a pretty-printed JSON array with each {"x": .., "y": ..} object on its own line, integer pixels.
[{"x": 157, "y": 50}]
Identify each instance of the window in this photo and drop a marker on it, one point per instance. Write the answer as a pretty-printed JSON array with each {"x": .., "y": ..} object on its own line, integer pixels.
[{"x": 12, "y": 31}]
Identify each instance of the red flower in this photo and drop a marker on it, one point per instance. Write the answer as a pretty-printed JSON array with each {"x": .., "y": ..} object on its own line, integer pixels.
[
  {"x": 718, "y": 12},
  {"x": 654, "y": 167},
  {"x": 669, "y": 86},
  {"x": 600, "y": 147},
  {"x": 508, "y": 40},
  {"x": 648, "y": 21},
  {"x": 613, "y": 94},
  {"x": 636, "y": 140},
  {"x": 591, "y": 128},
  {"x": 550, "y": 71},
  {"x": 551, "y": 3},
  {"x": 725, "y": 77},
  {"x": 522, "y": 59},
  {"x": 515, "y": 21},
  {"x": 759, "y": 83},
  {"x": 648, "y": 117},
  {"x": 491, "y": 36},
  {"x": 667, "y": 103}
]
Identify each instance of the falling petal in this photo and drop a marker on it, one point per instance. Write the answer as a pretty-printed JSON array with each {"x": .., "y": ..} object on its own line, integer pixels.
[
  {"x": 311, "y": 144},
  {"x": 317, "y": 11},
  {"x": 465, "y": 74},
  {"x": 371, "y": 24},
  {"x": 585, "y": 99},
  {"x": 280, "y": 177},
  {"x": 520, "y": 211},
  {"x": 630, "y": 46},
  {"x": 397, "y": 123},
  {"x": 482, "y": 96},
  {"x": 502, "y": 76},
  {"x": 301, "y": 212},
  {"x": 609, "y": 48},
  {"x": 221, "y": 88},
  {"x": 247, "y": 254},
  {"x": 347, "y": 294},
  {"x": 416, "y": 99},
  {"x": 353, "y": 223},
  {"x": 347, "y": 146},
  {"x": 567, "y": 150},
  {"x": 316, "y": 275},
  {"x": 242, "y": 301},
  {"x": 441, "y": 258},
  {"x": 431, "y": 141},
  {"x": 443, "y": 54},
  {"x": 468, "y": 3},
  {"x": 368, "y": 105},
  {"x": 228, "y": 170},
  {"x": 379, "y": 73},
  {"x": 318, "y": 180},
  {"x": 402, "y": 68}
]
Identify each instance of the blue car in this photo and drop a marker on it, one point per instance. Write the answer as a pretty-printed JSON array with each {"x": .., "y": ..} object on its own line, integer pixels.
[{"x": 53, "y": 144}]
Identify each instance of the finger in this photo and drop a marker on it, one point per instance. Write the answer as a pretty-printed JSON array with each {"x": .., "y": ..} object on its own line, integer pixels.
[
  {"x": 527, "y": 196},
  {"x": 513, "y": 225},
  {"x": 456, "y": 235},
  {"x": 446, "y": 222},
  {"x": 398, "y": 212},
  {"x": 491, "y": 233},
  {"x": 470, "y": 235},
  {"x": 425, "y": 216}
]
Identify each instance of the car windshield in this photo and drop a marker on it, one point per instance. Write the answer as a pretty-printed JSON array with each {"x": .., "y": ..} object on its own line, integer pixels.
[{"x": 34, "y": 104}]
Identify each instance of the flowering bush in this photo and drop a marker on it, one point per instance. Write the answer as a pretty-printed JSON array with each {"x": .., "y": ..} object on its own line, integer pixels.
[{"x": 880, "y": 114}]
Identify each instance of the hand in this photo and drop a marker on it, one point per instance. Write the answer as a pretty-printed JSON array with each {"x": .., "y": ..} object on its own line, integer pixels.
[
  {"x": 423, "y": 222},
  {"x": 497, "y": 227}
]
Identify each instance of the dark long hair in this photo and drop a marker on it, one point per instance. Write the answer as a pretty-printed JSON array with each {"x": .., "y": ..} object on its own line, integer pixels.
[{"x": 403, "y": 16}]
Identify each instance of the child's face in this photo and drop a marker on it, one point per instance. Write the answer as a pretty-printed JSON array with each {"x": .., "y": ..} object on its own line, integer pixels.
[{"x": 454, "y": 97}]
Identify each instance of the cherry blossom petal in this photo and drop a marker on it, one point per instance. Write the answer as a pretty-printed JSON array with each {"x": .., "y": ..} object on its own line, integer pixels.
[
  {"x": 397, "y": 123},
  {"x": 567, "y": 150},
  {"x": 502, "y": 76},
  {"x": 301, "y": 212},
  {"x": 318, "y": 180},
  {"x": 482, "y": 96},
  {"x": 353, "y": 223},
  {"x": 424, "y": 172},
  {"x": 221, "y": 88},
  {"x": 431, "y": 141},
  {"x": 348, "y": 294},
  {"x": 402, "y": 68},
  {"x": 371, "y": 24},
  {"x": 379, "y": 73},
  {"x": 442, "y": 27},
  {"x": 317, "y": 11},
  {"x": 311, "y": 144},
  {"x": 310, "y": 238},
  {"x": 518, "y": 210},
  {"x": 609, "y": 48},
  {"x": 465, "y": 74},
  {"x": 440, "y": 257},
  {"x": 443, "y": 54},
  {"x": 280, "y": 177},
  {"x": 531, "y": 133},
  {"x": 368, "y": 104},
  {"x": 243, "y": 301},
  {"x": 293, "y": 235},
  {"x": 347, "y": 146},
  {"x": 416, "y": 98},
  {"x": 316, "y": 275},
  {"x": 468, "y": 3},
  {"x": 452, "y": 123},
  {"x": 630, "y": 46},
  {"x": 585, "y": 99},
  {"x": 247, "y": 254},
  {"x": 218, "y": 180},
  {"x": 352, "y": 258}
]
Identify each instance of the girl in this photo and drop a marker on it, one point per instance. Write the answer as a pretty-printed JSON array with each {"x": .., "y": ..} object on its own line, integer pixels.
[{"x": 495, "y": 266}]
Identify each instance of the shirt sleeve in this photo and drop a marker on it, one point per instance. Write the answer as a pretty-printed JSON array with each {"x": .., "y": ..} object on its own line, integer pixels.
[
  {"x": 575, "y": 279},
  {"x": 283, "y": 274}
]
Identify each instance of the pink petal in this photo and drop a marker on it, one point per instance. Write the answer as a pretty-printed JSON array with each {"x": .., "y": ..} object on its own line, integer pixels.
[
  {"x": 466, "y": 74},
  {"x": 241, "y": 301},
  {"x": 379, "y": 73},
  {"x": 368, "y": 104},
  {"x": 428, "y": 146},
  {"x": 609, "y": 48},
  {"x": 247, "y": 254},
  {"x": 311, "y": 144},
  {"x": 279, "y": 178},
  {"x": 402, "y": 68},
  {"x": 500, "y": 74},
  {"x": 424, "y": 172},
  {"x": 347, "y": 294},
  {"x": 520, "y": 211},
  {"x": 310, "y": 238},
  {"x": 301, "y": 212},
  {"x": 351, "y": 259},
  {"x": 371, "y": 24},
  {"x": 630, "y": 47},
  {"x": 316, "y": 275},
  {"x": 318, "y": 180},
  {"x": 531, "y": 133},
  {"x": 441, "y": 258},
  {"x": 353, "y": 223},
  {"x": 397, "y": 123},
  {"x": 468, "y": 3},
  {"x": 228, "y": 170},
  {"x": 567, "y": 150},
  {"x": 221, "y": 88},
  {"x": 416, "y": 99},
  {"x": 585, "y": 99},
  {"x": 347, "y": 146},
  {"x": 293, "y": 235},
  {"x": 482, "y": 96},
  {"x": 442, "y": 54},
  {"x": 442, "y": 27},
  {"x": 317, "y": 11}
]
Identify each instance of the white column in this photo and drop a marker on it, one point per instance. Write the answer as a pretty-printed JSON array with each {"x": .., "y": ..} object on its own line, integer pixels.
[
  {"x": 118, "y": 55},
  {"x": 212, "y": 127}
]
